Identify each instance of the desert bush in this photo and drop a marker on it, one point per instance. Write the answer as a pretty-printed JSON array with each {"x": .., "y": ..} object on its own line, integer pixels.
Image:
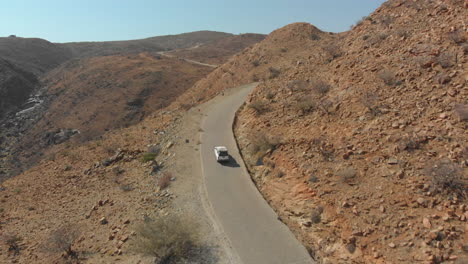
[
  {"x": 388, "y": 76},
  {"x": 320, "y": 87},
  {"x": 461, "y": 110},
  {"x": 284, "y": 50},
  {"x": 316, "y": 215},
  {"x": 386, "y": 20},
  {"x": 270, "y": 95},
  {"x": 333, "y": 50},
  {"x": 170, "y": 239},
  {"x": 62, "y": 239},
  {"x": 402, "y": 33},
  {"x": 260, "y": 107},
  {"x": 256, "y": 63},
  {"x": 156, "y": 149},
  {"x": 126, "y": 187},
  {"x": 148, "y": 156},
  {"x": 306, "y": 105},
  {"x": 255, "y": 78},
  {"x": 315, "y": 37},
  {"x": 13, "y": 243},
  {"x": 313, "y": 179},
  {"x": 274, "y": 72},
  {"x": 457, "y": 37},
  {"x": 279, "y": 174},
  {"x": 186, "y": 106},
  {"x": 411, "y": 144},
  {"x": 447, "y": 177},
  {"x": 446, "y": 60},
  {"x": 165, "y": 180},
  {"x": 297, "y": 85},
  {"x": 262, "y": 143},
  {"x": 326, "y": 106},
  {"x": 371, "y": 102},
  {"x": 347, "y": 174}
]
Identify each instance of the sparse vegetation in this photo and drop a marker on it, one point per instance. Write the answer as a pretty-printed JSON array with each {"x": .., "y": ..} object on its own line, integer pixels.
[
  {"x": 388, "y": 76},
  {"x": 446, "y": 60},
  {"x": 260, "y": 107},
  {"x": 261, "y": 143},
  {"x": 170, "y": 239},
  {"x": 148, "y": 156},
  {"x": 371, "y": 102},
  {"x": 461, "y": 110},
  {"x": 333, "y": 50},
  {"x": 320, "y": 87},
  {"x": 316, "y": 215},
  {"x": 457, "y": 37},
  {"x": 347, "y": 174},
  {"x": 274, "y": 72},
  {"x": 306, "y": 105},
  {"x": 62, "y": 240},
  {"x": 126, "y": 187},
  {"x": 315, "y": 37},
  {"x": 13, "y": 243},
  {"x": 256, "y": 63},
  {"x": 447, "y": 177},
  {"x": 279, "y": 174},
  {"x": 165, "y": 180}
]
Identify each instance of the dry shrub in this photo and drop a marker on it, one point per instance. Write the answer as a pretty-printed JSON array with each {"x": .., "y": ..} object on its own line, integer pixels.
[
  {"x": 149, "y": 156},
  {"x": 165, "y": 180},
  {"x": 261, "y": 143},
  {"x": 333, "y": 50},
  {"x": 62, "y": 239},
  {"x": 13, "y": 243},
  {"x": 306, "y": 105},
  {"x": 274, "y": 72},
  {"x": 347, "y": 174},
  {"x": 260, "y": 107},
  {"x": 388, "y": 76},
  {"x": 371, "y": 102},
  {"x": 320, "y": 87},
  {"x": 446, "y": 60},
  {"x": 457, "y": 37},
  {"x": 447, "y": 177},
  {"x": 170, "y": 239},
  {"x": 462, "y": 111},
  {"x": 297, "y": 85},
  {"x": 316, "y": 215}
]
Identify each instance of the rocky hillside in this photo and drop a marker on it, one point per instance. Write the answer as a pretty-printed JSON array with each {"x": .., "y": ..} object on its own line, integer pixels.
[
  {"x": 153, "y": 44},
  {"x": 85, "y": 97},
  {"x": 217, "y": 52},
  {"x": 360, "y": 143}
]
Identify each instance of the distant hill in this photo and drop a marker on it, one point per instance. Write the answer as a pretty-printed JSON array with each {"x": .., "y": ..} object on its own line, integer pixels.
[
  {"x": 33, "y": 54},
  {"x": 160, "y": 43},
  {"x": 220, "y": 50}
]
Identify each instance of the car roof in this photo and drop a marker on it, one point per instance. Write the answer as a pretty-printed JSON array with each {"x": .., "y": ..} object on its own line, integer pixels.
[{"x": 221, "y": 148}]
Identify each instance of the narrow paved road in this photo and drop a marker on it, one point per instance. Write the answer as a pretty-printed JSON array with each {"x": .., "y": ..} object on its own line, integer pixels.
[{"x": 249, "y": 223}]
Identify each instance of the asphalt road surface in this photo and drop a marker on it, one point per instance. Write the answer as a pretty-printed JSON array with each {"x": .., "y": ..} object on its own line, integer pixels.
[{"x": 249, "y": 223}]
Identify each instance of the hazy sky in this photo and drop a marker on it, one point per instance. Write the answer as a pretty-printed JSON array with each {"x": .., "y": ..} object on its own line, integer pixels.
[{"x": 98, "y": 20}]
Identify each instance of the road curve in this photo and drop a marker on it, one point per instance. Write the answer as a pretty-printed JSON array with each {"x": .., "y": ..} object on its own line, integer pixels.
[{"x": 247, "y": 220}]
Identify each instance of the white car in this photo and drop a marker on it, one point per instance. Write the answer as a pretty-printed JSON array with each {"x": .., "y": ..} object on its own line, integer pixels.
[{"x": 221, "y": 154}]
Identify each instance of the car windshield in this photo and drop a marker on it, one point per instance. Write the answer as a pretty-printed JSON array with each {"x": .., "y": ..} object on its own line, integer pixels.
[{"x": 223, "y": 153}]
